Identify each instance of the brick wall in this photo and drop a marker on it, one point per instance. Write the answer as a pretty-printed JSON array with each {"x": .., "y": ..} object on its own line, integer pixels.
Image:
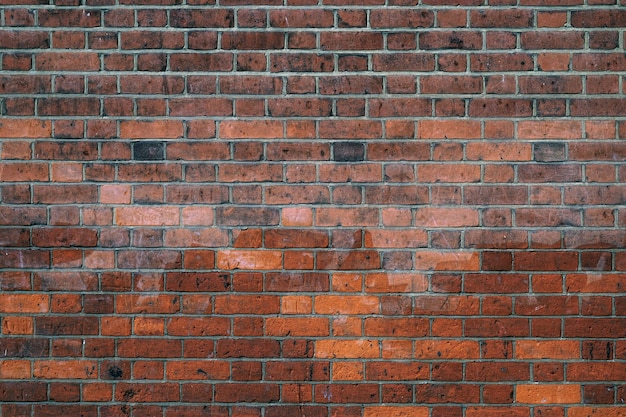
[{"x": 281, "y": 208}]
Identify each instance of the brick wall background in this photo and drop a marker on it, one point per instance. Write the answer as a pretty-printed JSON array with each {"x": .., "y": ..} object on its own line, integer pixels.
[{"x": 312, "y": 208}]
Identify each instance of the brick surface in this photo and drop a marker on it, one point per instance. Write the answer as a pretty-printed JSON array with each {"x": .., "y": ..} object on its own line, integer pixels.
[{"x": 276, "y": 208}]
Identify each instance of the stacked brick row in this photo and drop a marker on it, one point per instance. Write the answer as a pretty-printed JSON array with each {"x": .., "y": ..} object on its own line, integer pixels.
[{"x": 273, "y": 208}]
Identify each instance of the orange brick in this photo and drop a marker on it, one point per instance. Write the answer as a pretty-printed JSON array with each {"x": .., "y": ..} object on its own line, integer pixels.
[
  {"x": 297, "y": 327},
  {"x": 346, "y": 304},
  {"x": 386, "y": 282},
  {"x": 97, "y": 392},
  {"x": 115, "y": 194},
  {"x": 344, "y": 326},
  {"x": 547, "y": 349},
  {"x": 25, "y": 128},
  {"x": 347, "y": 349},
  {"x": 505, "y": 151},
  {"x": 249, "y": 259},
  {"x": 346, "y": 282},
  {"x": 15, "y": 369},
  {"x": 177, "y": 370},
  {"x": 380, "y": 238},
  {"x": 347, "y": 371},
  {"x": 198, "y": 326},
  {"x": 448, "y": 129},
  {"x": 452, "y": 173},
  {"x": 296, "y": 304},
  {"x": 297, "y": 216},
  {"x": 65, "y": 369},
  {"x": 444, "y": 217},
  {"x": 497, "y": 411},
  {"x": 147, "y": 216},
  {"x": 251, "y": 129},
  {"x": 148, "y": 326},
  {"x": 247, "y": 304},
  {"x": 116, "y": 326},
  {"x": 24, "y": 303},
  {"x": 17, "y": 325},
  {"x": 397, "y": 349},
  {"x": 395, "y": 411},
  {"x": 446, "y": 261},
  {"x": 548, "y": 394},
  {"x": 159, "y": 129},
  {"x": 197, "y": 216},
  {"x": 398, "y": 327},
  {"x": 446, "y": 349},
  {"x": 550, "y": 61},
  {"x": 555, "y": 129}
]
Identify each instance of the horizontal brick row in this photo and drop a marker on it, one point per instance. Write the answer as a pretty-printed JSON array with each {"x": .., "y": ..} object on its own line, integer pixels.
[
  {"x": 193, "y": 17},
  {"x": 270, "y": 85},
  {"x": 465, "y": 131}
]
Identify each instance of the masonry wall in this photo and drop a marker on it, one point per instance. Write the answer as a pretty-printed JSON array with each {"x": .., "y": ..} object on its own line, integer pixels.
[{"x": 313, "y": 208}]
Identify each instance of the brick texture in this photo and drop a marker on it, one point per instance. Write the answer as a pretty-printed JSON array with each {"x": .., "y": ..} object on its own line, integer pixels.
[{"x": 276, "y": 208}]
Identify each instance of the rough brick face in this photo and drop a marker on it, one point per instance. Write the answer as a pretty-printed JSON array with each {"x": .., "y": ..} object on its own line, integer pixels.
[{"x": 277, "y": 208}]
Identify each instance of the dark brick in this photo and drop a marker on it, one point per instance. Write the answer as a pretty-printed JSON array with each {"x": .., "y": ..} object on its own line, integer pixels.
[
  {"x": 549, "y": 152},
  {"x": 149, "y": 151},
  {"x": 348, "y": 151}
]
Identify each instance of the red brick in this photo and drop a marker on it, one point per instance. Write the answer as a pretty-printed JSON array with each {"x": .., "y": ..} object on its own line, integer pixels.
[
  {"x": 395, "y": 107},
  {"x": 491, "y": 107},
  {"x": 403, "y": 62},
  {"x": 297, "y": 327},
  {"x": 201, "y": 62},
  {"x": 598, "y": 327},
  {"x": 600, "y": 18},
  {"x": 496, "y": 62},
  {"x": 350, "y": 129},
  {"x": 351, "y": 41},
  {"x": 248, "y": 348},
  {"x": 338, "y": 348},
  {"x": 396, "y": 327},
  {"x": 505, "y": 327},
  {"x": 191, "y": 18},
  {"x": 552, "y": 40},
  {"x": 67, "y": 61},
  {"x": 449, "y": 393},
  {"x": 553, "y": 349},
  {"x": 446, "y": 349},
  {"x": 301, "y": 62},
  {"x": 170, "y": 129},
  {"x": 306, "y": 18},
  {"x": 252, "y": 40},
  {"x": 509, "y": 18},
  {"x": 452, "y": 40},
  {"x": 25, "y": 128},
  {"x": 395, "y": 18},
  {"x": 594, "y": 411},
  {"x": 395, "y": 282},
  {"x": 244, "y": 304},
  {"x": 483, "y": 411}
]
